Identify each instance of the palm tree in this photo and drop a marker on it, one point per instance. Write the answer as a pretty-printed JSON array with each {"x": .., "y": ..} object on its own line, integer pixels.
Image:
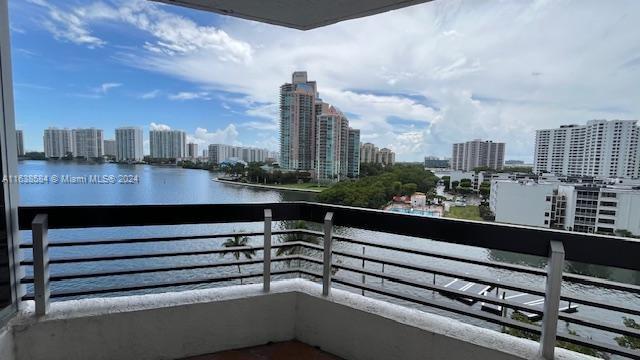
[{"x": 239, "y": 241}]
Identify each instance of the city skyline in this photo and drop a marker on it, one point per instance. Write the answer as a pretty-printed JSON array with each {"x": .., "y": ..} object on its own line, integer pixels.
[{"x": 419, "y": 95}]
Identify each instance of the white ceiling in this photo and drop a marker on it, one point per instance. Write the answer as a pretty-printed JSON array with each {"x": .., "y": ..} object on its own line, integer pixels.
[{"x": 297, "y": 14}]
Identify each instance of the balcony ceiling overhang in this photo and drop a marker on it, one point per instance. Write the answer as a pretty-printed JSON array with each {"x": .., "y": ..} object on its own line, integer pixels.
[{"x": 297, "y": 14}]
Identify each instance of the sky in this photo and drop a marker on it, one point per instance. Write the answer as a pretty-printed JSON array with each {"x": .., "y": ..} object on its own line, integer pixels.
[{"x": 414, "y": 80}]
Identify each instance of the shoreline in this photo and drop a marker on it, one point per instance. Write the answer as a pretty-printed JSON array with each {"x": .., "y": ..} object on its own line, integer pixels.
[{"x": 270, "y": 187}]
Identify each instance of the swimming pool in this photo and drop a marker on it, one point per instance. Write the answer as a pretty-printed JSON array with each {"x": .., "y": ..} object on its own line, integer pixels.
[{"x": 429, "y": 213}]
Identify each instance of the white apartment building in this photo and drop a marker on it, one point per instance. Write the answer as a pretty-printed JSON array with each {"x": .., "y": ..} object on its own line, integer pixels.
[
  {"x": 369, "y": 153},
  {"x": 57, "y": 142},
  {"x": 477, "y": 153},
  {"x": 109, "y": 147},
  {"x": 192, "y": 150},
  {"x": 524, "y": 202},
  {"x": 220, "y": 152},
  {"x": 167, "y": 144},
  {"x": 129, "y": 144},
  {"x": 88, "y": 143},
  {"x": 582, "y": 207},
  {"x": 599, "y": 148}
]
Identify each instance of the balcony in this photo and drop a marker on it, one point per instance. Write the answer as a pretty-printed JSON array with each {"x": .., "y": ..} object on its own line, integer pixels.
[{"x": 391, "y": 301}]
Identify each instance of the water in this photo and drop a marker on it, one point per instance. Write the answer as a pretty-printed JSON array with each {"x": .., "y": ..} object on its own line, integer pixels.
[{"x": 171, "y": 185}]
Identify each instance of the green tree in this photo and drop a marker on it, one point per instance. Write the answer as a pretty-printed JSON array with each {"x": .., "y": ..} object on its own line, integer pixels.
[
  {"x": 408, "y": 189},
  {"x": 447, "y": 182},
  {"x": 485, "y": 189},
  {"x": 465, "y": 183},
  {"x": 239, "y": 241},
  {"x": 397, "y": 188},
  {"x": 455, "y": 184}
]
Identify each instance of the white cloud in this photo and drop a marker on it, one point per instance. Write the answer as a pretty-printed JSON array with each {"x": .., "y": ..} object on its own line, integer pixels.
[
  {"x": 162, "y": 127},
  {"x": 415, "y": 79},
  {"x": 68, "y": 26},
  {"x": 150, "y": 95},
  {"x": 186, "y": 95},
  {"x": 104, "y": 88},
  {"x": 203, "y": 137}
]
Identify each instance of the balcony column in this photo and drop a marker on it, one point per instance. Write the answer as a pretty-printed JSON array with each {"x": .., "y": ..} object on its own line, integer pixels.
[
  {"x": 266, "y": 252},
  {"x": 39, "y": 229},
  {"x": 328, "y": 239},
  {"x": 552, "y": 299}
]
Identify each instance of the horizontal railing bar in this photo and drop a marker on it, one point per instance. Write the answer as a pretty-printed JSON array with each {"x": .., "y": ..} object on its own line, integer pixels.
[
  {"x": 114, "y": 289},
  {"x": 153, "y": 239},
  {"x": 582, "y": 279},
  {"x": 587, "y": 248},
  {"x": 532, "y": 291},
  {"x": 68, "y": 260},
  {"x": 70, "y": 276},
  {"x": 491, "y": 300}
]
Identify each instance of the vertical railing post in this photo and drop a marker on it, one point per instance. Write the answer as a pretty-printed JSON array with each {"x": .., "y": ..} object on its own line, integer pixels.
[
  {"x": 266, "y": 277},
  {"x": 328, "y": 239},
  {"x": 552, "y": 300},
  {"x": 39, "y": 229}
]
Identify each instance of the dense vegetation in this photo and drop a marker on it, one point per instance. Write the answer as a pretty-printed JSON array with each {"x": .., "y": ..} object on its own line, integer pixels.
[{"x": 378, "y": 185}]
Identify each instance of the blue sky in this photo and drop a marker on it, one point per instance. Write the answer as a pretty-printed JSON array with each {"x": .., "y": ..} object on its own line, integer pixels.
[{"x": 414, "y": 80}]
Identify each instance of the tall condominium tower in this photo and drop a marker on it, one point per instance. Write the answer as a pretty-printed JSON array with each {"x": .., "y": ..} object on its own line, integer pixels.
[
  {"x": 368, "y": 153},
  {"x": 386, "y": 157},
  {"x": 129, "y": 144},
  {"x": 109, "y": 147},
  {"x": 353, "y": 154},
  {"x": 88, "y": 143},
  {"x": 477, "y": 153},
  {"x": 332, "y": 144},
  {"x": 167, "y": 144},
  {"x": 20, "y": 142},
  {"x": 57, "y": 142},
  {"x": 599, "y": 148},
  {"x": 298, "y": 123},
  {"x": 192, "y": 150}
]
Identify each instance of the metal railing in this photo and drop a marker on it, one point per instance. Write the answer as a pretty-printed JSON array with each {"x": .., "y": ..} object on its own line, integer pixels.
[{"x": 557, "y": 246}]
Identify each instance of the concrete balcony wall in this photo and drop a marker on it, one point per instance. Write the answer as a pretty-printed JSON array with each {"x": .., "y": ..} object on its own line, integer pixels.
[{"x": 177, "y": 325}]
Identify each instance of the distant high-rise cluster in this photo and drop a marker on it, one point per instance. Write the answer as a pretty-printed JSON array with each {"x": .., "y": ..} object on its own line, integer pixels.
[
  {"x": 477, "y": 153},
  {"x": 109, "y": 147},
  {"x": 369, "y": 153},
  {"x": 314, "y": 135},
  {"x": 219, "y": 153},
  {"x": 58, "y": 142},
  {"x": 88, "y": 143},
  {"x": 192, "y": 150},
  {"x": 167, "y": 144},
  {"x": 599, "y": 148}
]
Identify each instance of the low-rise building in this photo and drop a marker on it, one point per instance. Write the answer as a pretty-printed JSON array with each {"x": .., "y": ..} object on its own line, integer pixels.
[{"x": 418, "y": 200}]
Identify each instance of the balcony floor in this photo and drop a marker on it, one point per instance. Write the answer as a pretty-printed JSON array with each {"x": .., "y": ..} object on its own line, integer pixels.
[{"x": 277, "y": 351}]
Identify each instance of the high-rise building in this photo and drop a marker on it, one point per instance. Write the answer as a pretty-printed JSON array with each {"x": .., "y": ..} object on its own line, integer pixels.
[
  {"x": 436, "y": 162},
  {"x": 167, "y": 144},
  {"x": 353, "y": 154},
  {"x": 129, "y": 144},
  {"x": 599, "y": 148},
  {"x": 109, "y": 147},
  {"x": 192, "y": 150},
  {"x": 58, "y": 142},
  {"x": 477, "y": 153},
  {"x": 298, "y": 123},
  {"x": 88, "y": 143},
  {"x": 221, "y": 152},
  {"x": 332, "y": 144},
  {"x": 369, "y": 153},
  {"x": 20, "y": 142}
]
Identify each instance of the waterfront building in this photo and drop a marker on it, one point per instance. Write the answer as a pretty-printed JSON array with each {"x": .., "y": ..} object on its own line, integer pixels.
[
  {"x": 369, "y": 153},
  {"x": 20, "y": 142},
  {"x": 599, "y": 148},
  {"x": 606, "y": 206},
  {"x": 298, "y": 123},
  {"x": 110, "y": 147},
  {"x": 192, "y": 150},
  {"x": 477, "y": 153},
  {"x": 219, "y": 153},
  {"x": 129, "y": 144},
  {"x": 57, "y": 142},
  {"x": 353, "y": 150},
  {"x": 167, "y": 144},
  {"x": 205, "y": 153},
  {"x": 332, "y": 144},
  {"x": 88, "y": 143}
]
